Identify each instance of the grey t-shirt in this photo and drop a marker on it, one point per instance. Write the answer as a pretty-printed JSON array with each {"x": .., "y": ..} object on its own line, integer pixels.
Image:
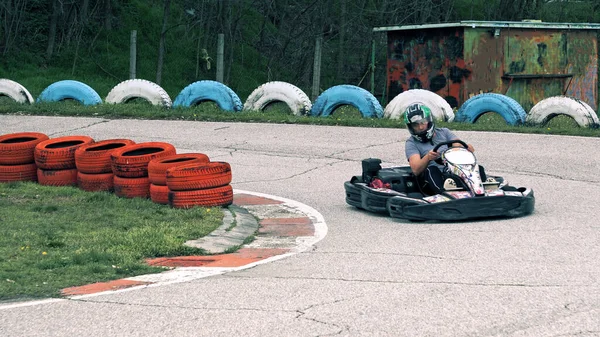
[{"x": 440, "y": 135}]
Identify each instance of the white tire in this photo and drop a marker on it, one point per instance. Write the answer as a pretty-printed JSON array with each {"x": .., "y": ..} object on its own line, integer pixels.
[
  {"x": 138, "y": 88},
  {"x": 440, "y": 109},
  {"x": 15, "y": 91},
  {"x": 551, "y": 107},
  {"x": 276, "y": 91}
]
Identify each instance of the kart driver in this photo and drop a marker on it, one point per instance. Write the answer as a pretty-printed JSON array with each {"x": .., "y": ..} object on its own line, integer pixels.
[{"x": 419, "y": 147}]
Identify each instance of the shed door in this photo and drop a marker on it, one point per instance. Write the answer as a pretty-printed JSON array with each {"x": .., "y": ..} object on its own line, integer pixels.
[{"x": 535, "y": 65}]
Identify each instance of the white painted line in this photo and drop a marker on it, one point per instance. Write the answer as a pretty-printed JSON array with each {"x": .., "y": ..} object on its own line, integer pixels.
[
  {"x": 185, "y": 274},
  {"x": 317, "y": 218},
  {"x": 30, "y": 303},
  {"x": 180, "y": 274}
]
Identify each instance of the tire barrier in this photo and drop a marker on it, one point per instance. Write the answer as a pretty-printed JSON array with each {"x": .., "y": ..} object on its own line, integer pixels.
[
  {"x": 157, "y": 168},
  {"x": 132, "y": 161},
  {"x": 324, "y": 105},
  {"x": 508, "y": 108},
  {"x": 202, "y": 91},
  {"x": 95, "y": 182},
  {"x": 198, "y": 176},
  {"x": 18, "y": 172},
  {"x": 159, "y": 194},
  {"x": 276, "y": 91},
  {"x": 59, "y": 153},
  {"x": 15, "y": 91},
  {"x": 69, "y": 89},
  {"x": 62, "y": 177},
  {"x": 137, "y": 88},
  {"x": 551, "y": 107},
  {"x": 441, "y": 110},
  {"x": 132, "y": 187},
  {"x": 64, "y": 161},
  {"x": 17, "y": 159},
  {"x": 94, "y": 164},
  {"x": 18, "y": 148},
  {"x": 344, "y": 94},
  {"x": 205, "y": 184},
  {"x": 219, "y": 196},
  {"x": 94, "y": 158}
]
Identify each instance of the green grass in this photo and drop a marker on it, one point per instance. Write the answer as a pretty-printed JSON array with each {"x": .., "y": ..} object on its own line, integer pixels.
[{"x": 57, "y": 237}]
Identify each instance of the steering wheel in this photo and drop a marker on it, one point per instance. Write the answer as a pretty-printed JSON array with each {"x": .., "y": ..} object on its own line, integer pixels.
[{"x": 450, "y": 142}]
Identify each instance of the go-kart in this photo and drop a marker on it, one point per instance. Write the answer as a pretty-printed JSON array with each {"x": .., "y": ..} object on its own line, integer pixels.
[{"x": 398, "y": 192}]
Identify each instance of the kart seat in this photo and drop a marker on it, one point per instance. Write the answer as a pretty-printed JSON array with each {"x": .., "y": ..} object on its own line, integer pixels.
[
  {"x": 450, "y": 185},
  {"x": 454, "y": 183}
]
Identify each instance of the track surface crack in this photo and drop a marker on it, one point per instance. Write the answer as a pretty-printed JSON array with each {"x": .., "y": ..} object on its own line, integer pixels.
[
  {"x": 146, "y": 305},
  {"x": 79, "y": 128},
  {"x": 474, "y": 284}
]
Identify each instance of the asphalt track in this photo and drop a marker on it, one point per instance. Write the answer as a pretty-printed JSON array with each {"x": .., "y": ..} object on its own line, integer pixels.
[{"x": 371, "y": 275}]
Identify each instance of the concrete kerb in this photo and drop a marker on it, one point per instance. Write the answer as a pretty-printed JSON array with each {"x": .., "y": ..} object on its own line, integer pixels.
[
  {"x": 283, "y": 208},
  {"x": 238, "y": 225}
]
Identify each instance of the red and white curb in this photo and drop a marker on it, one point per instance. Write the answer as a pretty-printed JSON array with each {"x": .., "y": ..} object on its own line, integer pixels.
[{"x": 287, "y": 227}]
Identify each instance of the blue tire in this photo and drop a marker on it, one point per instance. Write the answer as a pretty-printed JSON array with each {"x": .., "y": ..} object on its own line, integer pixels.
[
  {"x": 508, "y": 108},
  {"x": 345, "y": 94},
  {"x": 202, "y": 91},
  {"x": 69, "y": 89}
]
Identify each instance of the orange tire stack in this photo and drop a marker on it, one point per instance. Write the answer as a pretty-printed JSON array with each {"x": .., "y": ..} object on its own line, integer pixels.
[
  {"x": 204, "y": 185},
  {"x": 94, "y": 169},
  {"x": 17, "y": 162},
  {"x": 130, "y": 167},
  {"x": 55, "y": 160},
  {"x": 157, "y": 173}
]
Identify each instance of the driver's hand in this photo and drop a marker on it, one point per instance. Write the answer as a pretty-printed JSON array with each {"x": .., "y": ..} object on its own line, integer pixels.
[
  {"x": 470, "y": 148},
  {"x": 432, "y": 155}
]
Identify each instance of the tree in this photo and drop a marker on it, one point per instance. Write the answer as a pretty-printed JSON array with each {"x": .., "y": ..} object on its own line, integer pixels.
[
  {"x": 83, "y": 10},
  {"x": 341, "y": 74},
  {"x": 161, "y": 44},
  {"x": 56, "y": 8},
  {"x": 108, "y": 15},
  {"x": 11, "y": 22}
]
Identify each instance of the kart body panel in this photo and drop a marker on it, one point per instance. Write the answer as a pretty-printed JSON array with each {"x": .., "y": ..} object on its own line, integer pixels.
[
  {"x": 503, "y": 204},
  {"x": 404, "y": 199}
]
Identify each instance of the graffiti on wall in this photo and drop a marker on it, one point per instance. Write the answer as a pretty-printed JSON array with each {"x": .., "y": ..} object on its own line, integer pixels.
[
  {"x": 429, "y": 60},
  {"x": 525, "y": 64}
]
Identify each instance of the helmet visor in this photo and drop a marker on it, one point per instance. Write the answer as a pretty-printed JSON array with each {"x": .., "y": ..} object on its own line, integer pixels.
[{"x": 420, "y": 126}]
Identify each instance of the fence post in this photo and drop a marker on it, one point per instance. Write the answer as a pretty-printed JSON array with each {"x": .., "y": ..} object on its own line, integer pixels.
[
  {"x": 373, "y": 66},
  {"x": 132, "y": 53},
  {"x": 220, "y": 48},
  {"x": 317, "y": 69}
]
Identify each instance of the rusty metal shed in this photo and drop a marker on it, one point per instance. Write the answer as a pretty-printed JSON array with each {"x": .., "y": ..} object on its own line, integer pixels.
[{"x": 528, "y": 61}]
